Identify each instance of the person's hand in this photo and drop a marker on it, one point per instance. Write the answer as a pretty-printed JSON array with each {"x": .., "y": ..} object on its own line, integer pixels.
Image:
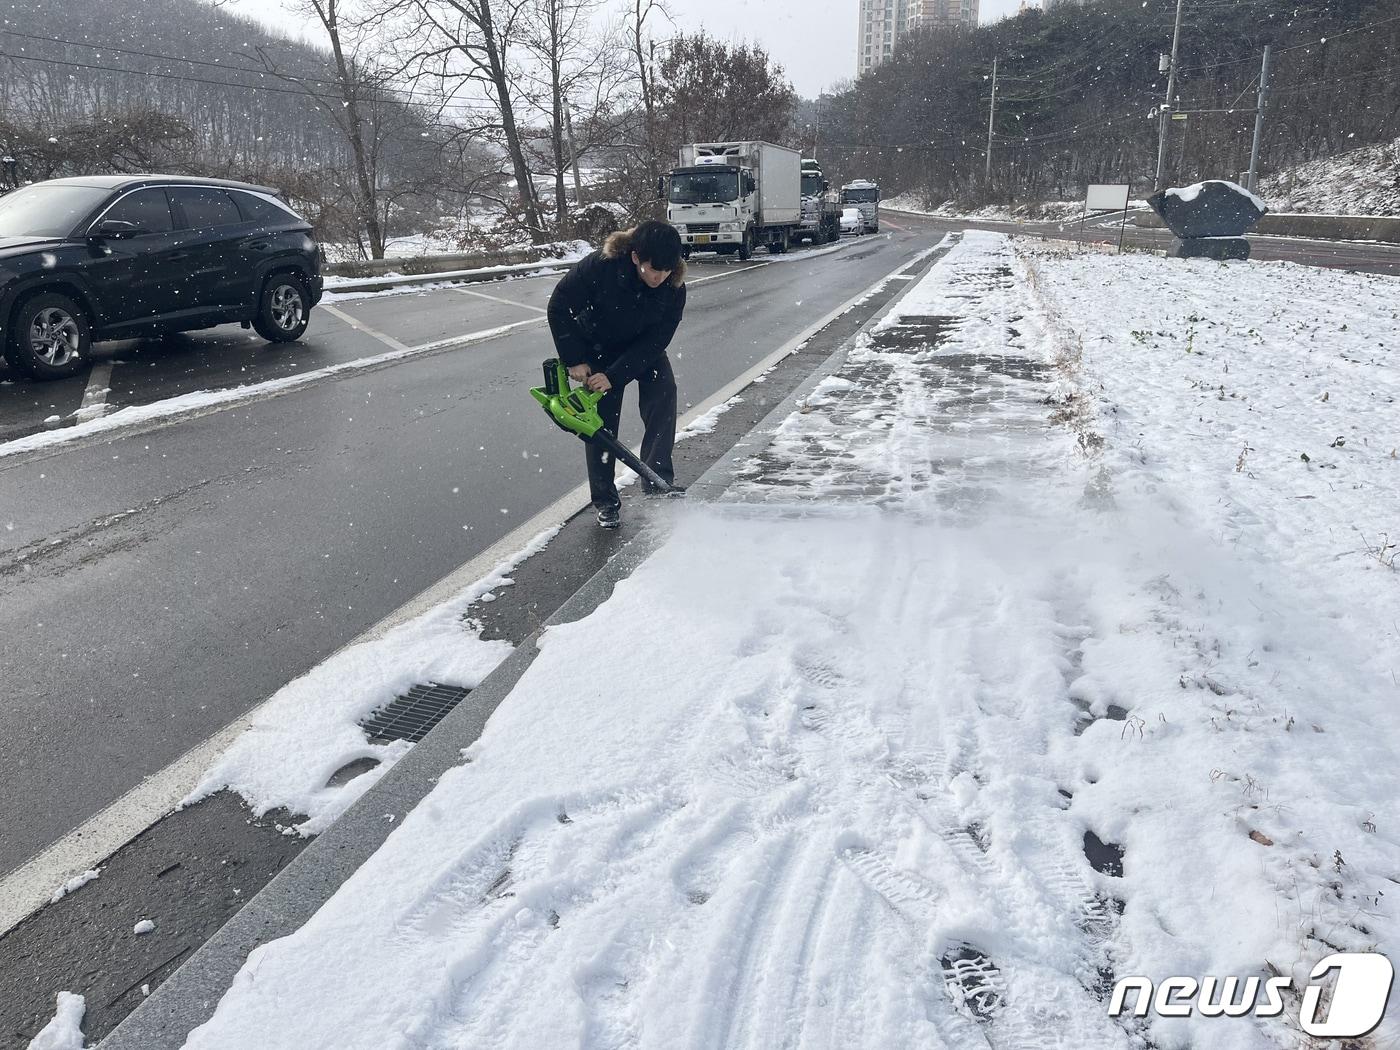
[
  {"x": 578, "y": 373},
  {"x": 598, "y": 381}
]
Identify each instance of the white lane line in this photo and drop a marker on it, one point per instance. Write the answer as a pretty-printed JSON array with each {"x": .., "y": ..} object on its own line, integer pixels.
[
  {"x": 360, "y": 326},
  {"x": 29, "y": 887},
  {"x": 498, "y": 299},
  {"x": 99, "y": 385}
]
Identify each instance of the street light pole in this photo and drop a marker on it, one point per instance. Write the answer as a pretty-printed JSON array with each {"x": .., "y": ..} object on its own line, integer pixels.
[
  {"x": 1164, "y": 118},
  {"x": 1259, "y": 105},
  {"x": 991, "y": 117}
]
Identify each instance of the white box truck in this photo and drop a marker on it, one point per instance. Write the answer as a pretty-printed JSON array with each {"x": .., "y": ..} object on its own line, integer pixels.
[
  {"x": 864, "y": 195},
  {"x": 731, "y": 197}
]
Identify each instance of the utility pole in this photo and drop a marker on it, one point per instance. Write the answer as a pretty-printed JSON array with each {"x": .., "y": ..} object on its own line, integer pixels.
[
  {"x": 991, "y": 118},
  {"x": 1164, "y": 118},
  {"x": 1260, "y": 102}
]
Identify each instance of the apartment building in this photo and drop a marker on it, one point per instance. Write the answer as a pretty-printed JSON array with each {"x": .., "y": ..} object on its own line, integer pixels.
[{"x": 883, "y": 22}]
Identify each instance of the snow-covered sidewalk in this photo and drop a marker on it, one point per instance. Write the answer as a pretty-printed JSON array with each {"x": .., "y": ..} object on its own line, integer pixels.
[{"x": 1031, "y": 652}]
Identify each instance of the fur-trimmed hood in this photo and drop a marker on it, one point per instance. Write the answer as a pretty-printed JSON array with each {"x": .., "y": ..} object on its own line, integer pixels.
[{"x": 619, "y": 244}]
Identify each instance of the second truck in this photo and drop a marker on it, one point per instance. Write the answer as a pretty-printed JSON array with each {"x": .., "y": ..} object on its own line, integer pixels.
[
  {"x": 731, "y": 197},
  {"x": 821, "y": 213}
]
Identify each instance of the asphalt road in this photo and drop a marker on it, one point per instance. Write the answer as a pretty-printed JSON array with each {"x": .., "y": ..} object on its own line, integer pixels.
[{"x": 157, "y": 584}]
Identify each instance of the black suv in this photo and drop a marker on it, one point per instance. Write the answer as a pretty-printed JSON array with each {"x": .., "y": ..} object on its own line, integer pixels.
[{"x": 113, "y": 256}]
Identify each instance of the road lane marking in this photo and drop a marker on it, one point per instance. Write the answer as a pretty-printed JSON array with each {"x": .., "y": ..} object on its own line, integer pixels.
[
  {"x": 498, "y": 299},
  {"x": 359, "y": 326}
]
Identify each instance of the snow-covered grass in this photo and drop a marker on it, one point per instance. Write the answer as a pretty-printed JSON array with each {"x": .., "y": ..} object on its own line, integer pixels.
[
  {"x": 1360, "y": 182},
  {"x": 454, "y": 233},
  {"x": 1029, "y": 652}
]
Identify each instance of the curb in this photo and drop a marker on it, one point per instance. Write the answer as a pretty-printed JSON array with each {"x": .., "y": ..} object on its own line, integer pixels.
[{"x": 190, "y": 996}]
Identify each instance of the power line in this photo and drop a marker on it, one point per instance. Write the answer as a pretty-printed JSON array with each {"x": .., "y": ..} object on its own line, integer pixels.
[
  {"x": 336, "y": 99},
  {"x": 205, "y": 62}
]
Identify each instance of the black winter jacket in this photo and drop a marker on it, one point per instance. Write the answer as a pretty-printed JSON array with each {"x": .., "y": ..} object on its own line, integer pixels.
[{"x": 602, "y": 314}]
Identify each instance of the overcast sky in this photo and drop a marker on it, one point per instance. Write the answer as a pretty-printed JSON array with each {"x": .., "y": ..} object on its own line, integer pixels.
[{"x": 813, "y": 41}]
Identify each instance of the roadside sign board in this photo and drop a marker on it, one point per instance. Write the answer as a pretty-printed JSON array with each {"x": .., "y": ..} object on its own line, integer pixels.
[{"x": 1106, "y": 198}]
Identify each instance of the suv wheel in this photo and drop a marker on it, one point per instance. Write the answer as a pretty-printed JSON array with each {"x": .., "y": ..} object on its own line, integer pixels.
[
  {"x": 50, "y": 337},
  {"x": 284, "y": 309}
]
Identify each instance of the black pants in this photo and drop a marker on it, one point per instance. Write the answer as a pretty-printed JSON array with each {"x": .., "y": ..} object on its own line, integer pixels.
[{"x": 656, "y": 391}]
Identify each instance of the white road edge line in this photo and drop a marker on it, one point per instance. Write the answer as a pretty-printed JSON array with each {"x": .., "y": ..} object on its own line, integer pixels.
[{"x": 30, "y": 886}]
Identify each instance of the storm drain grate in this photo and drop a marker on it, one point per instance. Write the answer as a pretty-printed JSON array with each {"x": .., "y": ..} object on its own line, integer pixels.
[{"x": 411, "y": 716}]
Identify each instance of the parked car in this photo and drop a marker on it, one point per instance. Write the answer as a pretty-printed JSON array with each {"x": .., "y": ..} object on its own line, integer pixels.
[
  {"x": 112, "y": 256},
  {"x": 852, "y": 221}
]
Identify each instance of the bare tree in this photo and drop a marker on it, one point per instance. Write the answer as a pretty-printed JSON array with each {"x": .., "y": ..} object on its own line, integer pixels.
[
  {"x": 577, "y": 70},
  {"x": 643, "y": 48},
  {"x": 464, "y": 48},
  {"x": 353, "y": 103}
]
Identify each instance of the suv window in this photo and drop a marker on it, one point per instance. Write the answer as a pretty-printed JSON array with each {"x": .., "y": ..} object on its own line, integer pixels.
[
  {"x": 47, "y": 210},
  {"x": 256, "y": 208},
  {"x": 206, "y": 208},
  {"x": 148, "y": 210}
]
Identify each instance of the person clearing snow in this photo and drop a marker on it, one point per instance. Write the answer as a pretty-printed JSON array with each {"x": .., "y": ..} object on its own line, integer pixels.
[{"x": 612, "y": 317}]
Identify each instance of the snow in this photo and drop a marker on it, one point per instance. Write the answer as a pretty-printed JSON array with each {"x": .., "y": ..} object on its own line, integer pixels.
[
  {"x": 74, "y": 884},
  {"x": 1190, "y": 193},
  {"x": 1030, "y": 211},
  {"x": 1358, "y": 182},
  {"x": 1041, "y": 559},
  {"x": 706, "y": 422},
  {"x": 65, "y": 1031},
  {"x": 310, "y": 728}
]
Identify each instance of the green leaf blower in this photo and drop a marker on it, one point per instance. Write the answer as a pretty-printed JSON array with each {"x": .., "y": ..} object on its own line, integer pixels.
[{"x": 576, "y": 410}]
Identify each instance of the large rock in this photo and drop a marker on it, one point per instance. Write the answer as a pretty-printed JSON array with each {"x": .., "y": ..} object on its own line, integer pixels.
[
  {"x": 1208, "y": 209},
  {"x": 1221, "y": 248}
]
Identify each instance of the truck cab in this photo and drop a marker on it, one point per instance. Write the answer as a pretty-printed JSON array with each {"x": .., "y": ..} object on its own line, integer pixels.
[
  {"x": 864, "y": 195},
  {"x": 711, "y": 205}
]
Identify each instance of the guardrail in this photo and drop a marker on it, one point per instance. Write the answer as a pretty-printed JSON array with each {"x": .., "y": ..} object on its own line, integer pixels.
[{"x": 449, "y": 276}]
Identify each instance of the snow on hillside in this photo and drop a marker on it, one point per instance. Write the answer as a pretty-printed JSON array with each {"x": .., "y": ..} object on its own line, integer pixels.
[{"x": 1364, "y": 181}]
